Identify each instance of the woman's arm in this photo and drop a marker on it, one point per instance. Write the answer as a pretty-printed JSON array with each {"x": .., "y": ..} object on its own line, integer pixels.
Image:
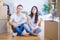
[
  {"x": 38, "y": 22},
  {"x": 29, "y": 24}
]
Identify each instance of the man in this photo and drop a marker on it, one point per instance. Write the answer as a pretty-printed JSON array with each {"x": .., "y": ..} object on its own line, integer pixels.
[{"x": 17, "y": 20}]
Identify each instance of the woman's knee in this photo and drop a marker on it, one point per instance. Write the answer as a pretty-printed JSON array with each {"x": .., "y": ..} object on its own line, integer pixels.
[
  {"x": 38, "y": 30},
  {"x": 27, "y": 28}
]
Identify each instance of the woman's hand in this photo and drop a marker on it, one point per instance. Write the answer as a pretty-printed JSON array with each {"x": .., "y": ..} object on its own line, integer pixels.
[{"x": 32, "y": 30}]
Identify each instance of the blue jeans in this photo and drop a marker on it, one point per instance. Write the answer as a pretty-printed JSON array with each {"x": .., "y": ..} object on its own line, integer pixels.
[
  {"x": 28, "y": 29},
  {"x": 18, "y": 29}
]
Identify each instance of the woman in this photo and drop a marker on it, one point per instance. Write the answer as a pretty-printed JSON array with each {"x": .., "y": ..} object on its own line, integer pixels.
[{"x": 33, "y": 20}]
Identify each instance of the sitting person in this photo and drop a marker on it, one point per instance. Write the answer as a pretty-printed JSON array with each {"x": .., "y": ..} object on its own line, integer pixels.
[
  {"x": 17, "y": 21},
  {"x": 33, "y": 21}
]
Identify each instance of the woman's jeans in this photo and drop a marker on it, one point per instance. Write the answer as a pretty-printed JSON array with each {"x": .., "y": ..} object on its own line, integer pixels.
[
  {"x": 18, "y": 29},
  {"x": 28, "y": 29}
]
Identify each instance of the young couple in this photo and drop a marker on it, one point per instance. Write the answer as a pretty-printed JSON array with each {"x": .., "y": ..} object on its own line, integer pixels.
[{"x": 17, "y": 20}]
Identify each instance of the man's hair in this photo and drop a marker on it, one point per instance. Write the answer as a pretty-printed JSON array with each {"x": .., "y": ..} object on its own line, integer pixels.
[{"x": 19, "y": 5}]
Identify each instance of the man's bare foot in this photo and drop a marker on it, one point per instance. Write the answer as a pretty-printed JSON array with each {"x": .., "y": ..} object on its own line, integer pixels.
[{"x": 14, "y": 34}]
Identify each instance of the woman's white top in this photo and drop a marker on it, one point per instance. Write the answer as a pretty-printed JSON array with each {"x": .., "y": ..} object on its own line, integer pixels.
[{"x": 32, "y": 20}]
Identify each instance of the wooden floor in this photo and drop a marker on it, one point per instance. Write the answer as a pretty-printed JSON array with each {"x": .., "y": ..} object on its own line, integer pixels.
[
  {"x": 5, "y": 36},
  {"x": 9, "y": 37}
]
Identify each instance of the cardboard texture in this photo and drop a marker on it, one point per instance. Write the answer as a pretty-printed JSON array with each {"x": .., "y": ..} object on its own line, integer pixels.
[
  {"x": 3, "y": 19},
  {"x": 3, "y": 12},
  {"x": 1, "y": 2},
  {"x": 58, "y": 9},
  {"x": 51, "y": 30},
  {"x": 3, "y": 26}
]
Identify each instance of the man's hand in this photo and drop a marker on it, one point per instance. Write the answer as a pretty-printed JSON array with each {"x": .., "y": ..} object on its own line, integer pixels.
[{"x": 15, "y": 25}]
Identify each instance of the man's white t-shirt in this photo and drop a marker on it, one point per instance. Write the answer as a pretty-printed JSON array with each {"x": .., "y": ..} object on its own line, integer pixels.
[{"x": 16, "y": 18}]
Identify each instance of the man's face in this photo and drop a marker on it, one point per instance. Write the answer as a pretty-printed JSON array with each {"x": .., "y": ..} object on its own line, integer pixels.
[{"x": 19, "y": 9}]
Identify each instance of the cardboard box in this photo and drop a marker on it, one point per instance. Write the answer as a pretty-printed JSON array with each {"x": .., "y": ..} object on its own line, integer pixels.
[
  {"x": 58, "y": 9},
  {"x": 51, "y": 30},
  {"x": 3, "y": 12},
  {"x": 1, "y": 2},
  {"x": 3, "y": 25}
]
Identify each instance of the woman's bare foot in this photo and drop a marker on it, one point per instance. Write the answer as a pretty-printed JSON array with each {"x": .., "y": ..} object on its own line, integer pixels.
[
  {"x": 34, "y": 34},
  {"x": 26, "y": 34}
]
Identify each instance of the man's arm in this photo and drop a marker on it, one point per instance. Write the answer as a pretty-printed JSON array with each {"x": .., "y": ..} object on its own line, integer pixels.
[
  {"x": 9, "y": 29},
  {"x": 12, "y": 23}
]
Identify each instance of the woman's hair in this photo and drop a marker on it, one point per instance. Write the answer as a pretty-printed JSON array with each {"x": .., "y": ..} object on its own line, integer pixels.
[{"x": 36, "y": 16}]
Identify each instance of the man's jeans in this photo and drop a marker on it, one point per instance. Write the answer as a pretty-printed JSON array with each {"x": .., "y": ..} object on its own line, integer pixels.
[{"x": 18, "y": 29}]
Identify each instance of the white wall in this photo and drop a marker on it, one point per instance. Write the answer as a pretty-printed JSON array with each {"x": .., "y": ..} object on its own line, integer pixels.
[
  {"x": 11, "y": 5},
  {"x": 27, "y": 4}
]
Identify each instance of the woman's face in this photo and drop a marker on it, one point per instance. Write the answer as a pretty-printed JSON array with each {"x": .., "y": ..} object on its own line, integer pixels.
[{"x": 34, "y": 10}]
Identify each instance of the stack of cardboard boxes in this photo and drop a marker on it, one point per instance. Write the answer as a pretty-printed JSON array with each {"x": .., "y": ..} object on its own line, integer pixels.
[{"x": 3, "y": 17}]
